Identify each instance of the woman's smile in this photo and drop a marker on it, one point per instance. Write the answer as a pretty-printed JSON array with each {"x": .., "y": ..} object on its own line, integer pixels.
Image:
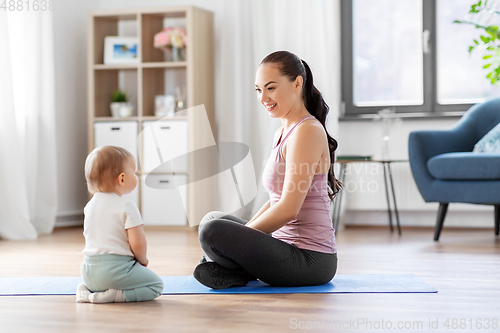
[{"x": 270, "y": 107}]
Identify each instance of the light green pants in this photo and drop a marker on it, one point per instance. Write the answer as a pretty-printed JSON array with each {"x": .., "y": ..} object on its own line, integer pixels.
[{"x": 112, "y": 271}]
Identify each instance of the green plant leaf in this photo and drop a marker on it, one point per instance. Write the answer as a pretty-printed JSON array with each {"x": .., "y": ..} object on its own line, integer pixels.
[
  {"x": 473, "y": 9},
  {"x": 485, "y": 39},
  {"x": 489, "y": 38},
  {"x": 493, "y": 31},
  {"x": 119, "y": 96}
]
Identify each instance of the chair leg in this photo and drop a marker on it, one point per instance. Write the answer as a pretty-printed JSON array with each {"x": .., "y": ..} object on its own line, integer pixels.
[
  {"x": 443, "y": 208},
  {"x": 497, "y": 219}
]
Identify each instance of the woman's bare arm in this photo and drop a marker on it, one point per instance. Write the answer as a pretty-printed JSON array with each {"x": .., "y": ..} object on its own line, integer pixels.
[
  {"x": 261, "y": 210},
  {"x": 268, "y": 203},
  {"x": 305, "y": 148}
]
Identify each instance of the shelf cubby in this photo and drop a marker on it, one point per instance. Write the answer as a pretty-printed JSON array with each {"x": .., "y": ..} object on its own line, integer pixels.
[
  {"x": 111, "y": 25},
  {"x": 152, "y": 24},
  {"x": 161, "y": 81},
  {"x": 108, "y": 81}
]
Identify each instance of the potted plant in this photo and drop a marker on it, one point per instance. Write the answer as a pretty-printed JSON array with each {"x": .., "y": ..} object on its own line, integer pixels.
[
  {"x": 120, "y": 108},
  {"x": 484, "y": 15}
]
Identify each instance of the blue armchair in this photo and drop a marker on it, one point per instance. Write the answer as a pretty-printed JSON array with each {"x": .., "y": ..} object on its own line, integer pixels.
[{"x": 446, "y": 170}]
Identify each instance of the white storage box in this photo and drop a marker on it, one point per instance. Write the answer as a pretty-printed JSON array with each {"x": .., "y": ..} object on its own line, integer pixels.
[
  {"x": 165, "y": 146},
  {"x": 164, "y": 204},
  {"x": 118, "y": 133}
]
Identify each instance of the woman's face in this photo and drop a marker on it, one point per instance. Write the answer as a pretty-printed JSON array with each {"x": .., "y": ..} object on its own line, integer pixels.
[{"x": 278, "y": 95}]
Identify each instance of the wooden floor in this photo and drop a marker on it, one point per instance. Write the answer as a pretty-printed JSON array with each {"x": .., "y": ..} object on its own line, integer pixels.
[{"x": 464, "y": 266}]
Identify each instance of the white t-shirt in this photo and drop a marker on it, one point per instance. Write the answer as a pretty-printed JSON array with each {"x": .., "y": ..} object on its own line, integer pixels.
[{"x": 107, "y": 216}]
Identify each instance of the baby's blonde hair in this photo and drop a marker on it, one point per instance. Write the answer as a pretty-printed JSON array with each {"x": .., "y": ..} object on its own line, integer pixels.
[{"x": 103, "y": 166}]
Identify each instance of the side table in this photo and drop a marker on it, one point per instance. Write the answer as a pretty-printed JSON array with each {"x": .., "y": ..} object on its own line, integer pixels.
[{"x": 386, "y": 164}]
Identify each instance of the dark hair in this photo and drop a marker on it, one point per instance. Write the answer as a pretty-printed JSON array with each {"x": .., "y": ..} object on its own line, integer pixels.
[{"x": 292, "y": 66}]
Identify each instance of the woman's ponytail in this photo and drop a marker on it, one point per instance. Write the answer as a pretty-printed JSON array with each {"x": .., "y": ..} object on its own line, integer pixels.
[{"x": 317, "y": 106}]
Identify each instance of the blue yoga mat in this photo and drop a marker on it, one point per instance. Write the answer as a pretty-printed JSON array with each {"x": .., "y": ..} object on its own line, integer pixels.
[{"x": 178, "y": 285}]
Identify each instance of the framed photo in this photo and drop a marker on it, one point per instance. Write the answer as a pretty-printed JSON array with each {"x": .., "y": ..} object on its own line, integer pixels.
[{"x": 121, "y": 50}]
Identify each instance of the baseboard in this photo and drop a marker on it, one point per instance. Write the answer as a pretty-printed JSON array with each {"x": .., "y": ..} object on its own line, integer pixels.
[
  {"x": 462, "y": 219},
  {"x": 69, "y": 218},
  {"x": 467, "y": 219}
]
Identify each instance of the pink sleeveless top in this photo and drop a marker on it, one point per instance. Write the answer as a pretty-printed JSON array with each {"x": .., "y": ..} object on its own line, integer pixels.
[{"x": 312, "y": 228}]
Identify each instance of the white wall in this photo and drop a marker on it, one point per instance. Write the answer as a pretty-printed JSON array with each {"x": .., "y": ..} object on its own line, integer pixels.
[
  {"x": 365, "y": 201},
  {"x": 70, "y": 42}
]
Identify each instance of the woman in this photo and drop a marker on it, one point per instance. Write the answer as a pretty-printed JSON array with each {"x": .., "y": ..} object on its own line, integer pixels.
[{"x": 290, "y": 241}]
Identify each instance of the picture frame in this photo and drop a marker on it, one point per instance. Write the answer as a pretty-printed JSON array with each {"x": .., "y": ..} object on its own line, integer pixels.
[{"x": 121, "y": 50}]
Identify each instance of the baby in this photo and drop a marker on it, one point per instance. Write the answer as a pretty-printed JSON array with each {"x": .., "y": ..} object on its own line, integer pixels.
[{"x": 114, "y": 268}]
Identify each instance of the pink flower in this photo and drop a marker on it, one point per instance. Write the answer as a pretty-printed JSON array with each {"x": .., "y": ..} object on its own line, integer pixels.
[
  {"x": 169, "y": 37},
  {"x": 161, "y": 39}
]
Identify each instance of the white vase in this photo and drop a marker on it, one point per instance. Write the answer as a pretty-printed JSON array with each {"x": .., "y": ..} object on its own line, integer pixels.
[
  {"x": 385, "y": 152},
  {"x": 115, "y": 109},
  {"x": 121, "y": 109},
  {"x": 177, "y": 54},
  {"x": 126, "y": 110}
]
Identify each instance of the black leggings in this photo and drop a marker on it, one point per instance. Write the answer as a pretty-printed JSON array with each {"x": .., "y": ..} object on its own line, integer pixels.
[{"x": 226, "y": 240}]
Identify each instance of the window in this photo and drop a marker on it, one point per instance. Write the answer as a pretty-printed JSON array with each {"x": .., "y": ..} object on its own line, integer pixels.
[{"x": 409, "y": 55}]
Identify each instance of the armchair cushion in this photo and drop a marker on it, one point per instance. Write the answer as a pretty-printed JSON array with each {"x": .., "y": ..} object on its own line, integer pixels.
[
  {"x": 490, "y": 142},
  {"x": 465, "y": 166}
]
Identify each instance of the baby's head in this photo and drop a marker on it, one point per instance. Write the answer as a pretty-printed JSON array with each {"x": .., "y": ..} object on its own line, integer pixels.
[{"x": 104, "y": 165}]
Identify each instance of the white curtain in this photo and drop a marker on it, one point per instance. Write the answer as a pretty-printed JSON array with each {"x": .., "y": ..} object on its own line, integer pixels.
[
  {"x": 28, "y": 189},
  {"x": 246, "y": 33}
]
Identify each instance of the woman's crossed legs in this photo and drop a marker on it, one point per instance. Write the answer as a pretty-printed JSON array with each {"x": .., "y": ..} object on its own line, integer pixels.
[{"x": 226, "y": 240}]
